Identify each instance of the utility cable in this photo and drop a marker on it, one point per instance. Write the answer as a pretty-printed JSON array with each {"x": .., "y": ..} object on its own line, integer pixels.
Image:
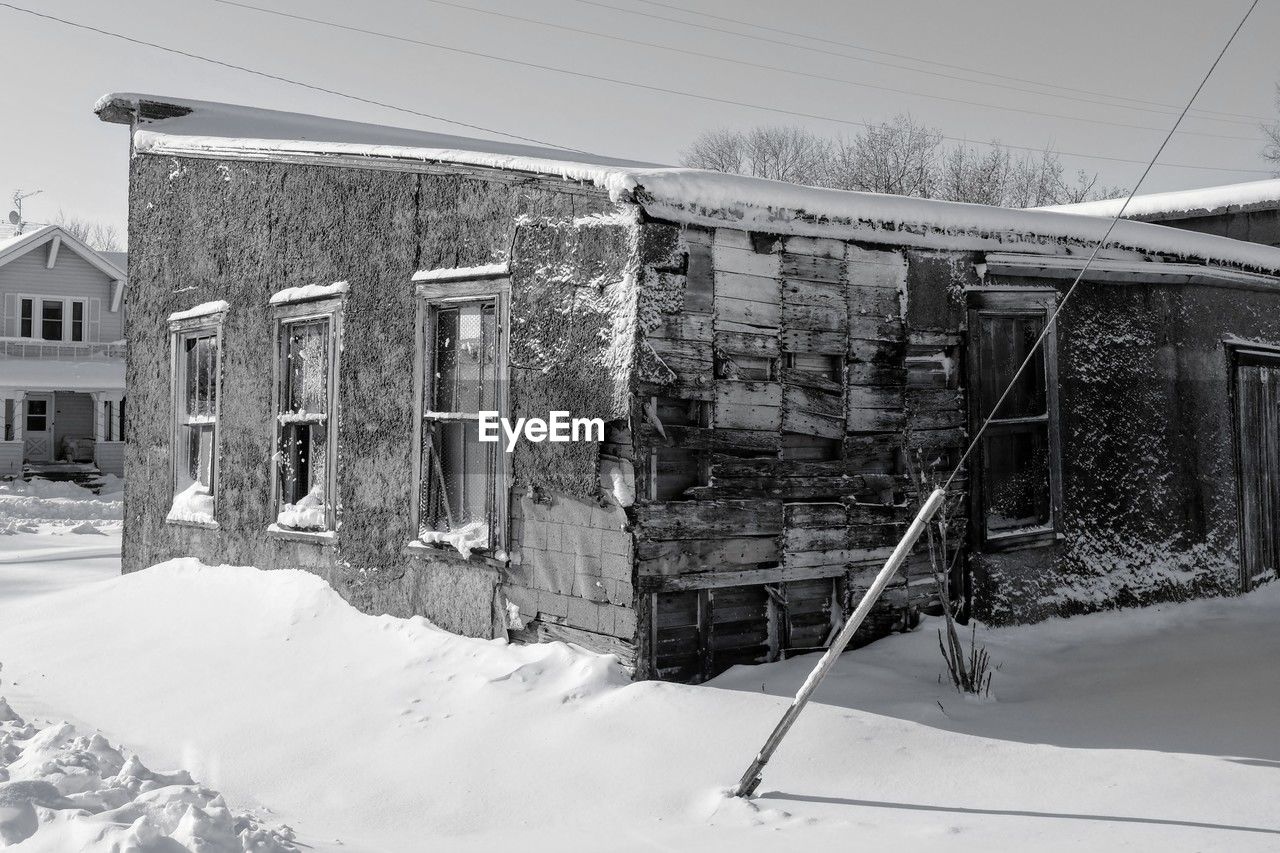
[
  {"x": 1053, "y": 317},
  {"x": 281, "y": 79}
]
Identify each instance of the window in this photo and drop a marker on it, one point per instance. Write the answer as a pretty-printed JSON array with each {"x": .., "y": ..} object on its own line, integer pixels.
[
  {"x": 51, "y": 319},
  {"x": 462, "y": 498},
  {"x": 37, "y": 415},
  {"x": 1018, "y": 479},
  {"x": 195, "y": 397},
  {"x": 113, "y": 420},
  {"x": 305, "y": 422},
  {"x": 54, "y": 319}
]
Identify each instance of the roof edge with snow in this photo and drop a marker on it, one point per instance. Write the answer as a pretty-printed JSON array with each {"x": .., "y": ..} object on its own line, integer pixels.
[
  {"x": 178, "y": 127},
  {"x": 1183, "y": 204}
]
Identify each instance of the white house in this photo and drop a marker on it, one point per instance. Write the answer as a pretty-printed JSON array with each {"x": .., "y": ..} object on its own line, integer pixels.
[{"x": 62, "y": 356}]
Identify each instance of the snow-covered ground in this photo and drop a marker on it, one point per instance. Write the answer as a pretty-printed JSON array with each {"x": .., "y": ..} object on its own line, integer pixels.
[{"x": 1147, "y": 730}]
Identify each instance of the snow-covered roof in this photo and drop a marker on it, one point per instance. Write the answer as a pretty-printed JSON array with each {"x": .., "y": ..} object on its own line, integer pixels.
[
  {"x": 1203, "y": 201},
  {"x": 181, "y": 127},
  {"x": 15, "y": 246}
]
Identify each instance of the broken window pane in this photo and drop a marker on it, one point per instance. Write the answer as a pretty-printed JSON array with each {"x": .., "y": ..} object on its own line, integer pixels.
[
  {"x": 1004, "y": 342},
  {"x": 1017, "y": 478},
  {"x": 306, "y": 367},
  {"x": 302, "y": 460},
  {"x": 465, "y": 359}
]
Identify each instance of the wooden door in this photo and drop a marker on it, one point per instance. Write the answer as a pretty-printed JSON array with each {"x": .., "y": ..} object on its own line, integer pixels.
[
  {"x": 37, "y": 428},
  {"x": 1257, "y": 428}
]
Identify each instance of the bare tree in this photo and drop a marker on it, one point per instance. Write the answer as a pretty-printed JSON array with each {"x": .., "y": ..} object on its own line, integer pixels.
[
  {"x": 1271, "y": 141},
  {"x": 899, "y": 156},
  {"x": 99, "y": 236},
  {"x": 781, "y": 153}
]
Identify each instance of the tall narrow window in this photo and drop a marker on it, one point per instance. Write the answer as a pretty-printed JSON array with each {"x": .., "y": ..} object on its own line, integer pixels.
[
  {"x": 51, "y": 319},
  {"x": 459, "y": 493},
  {"x": 27, "y": 319},
  {"x": 196, "y": 381},
  {"x": 1018, "y": 475},
  {"x": 77, "y": 321},
  {"x": 305, "y": 424}
]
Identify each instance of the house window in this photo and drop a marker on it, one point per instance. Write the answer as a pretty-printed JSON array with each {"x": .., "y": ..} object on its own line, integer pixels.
[
  {"x": 305, "y": 422},
  {"x": 195, "y": 394},
  {"x": 462, "y": 482},
  {"x": 51, "y": 319},
  {"x": 1018, "y": 473},
  {"x": 113, "y": 420},
  {"x": 55, "y": 319}
]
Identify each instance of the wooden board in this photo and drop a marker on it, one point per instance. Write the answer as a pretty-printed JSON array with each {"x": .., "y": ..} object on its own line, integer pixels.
[{"x": 707, "y": 519}]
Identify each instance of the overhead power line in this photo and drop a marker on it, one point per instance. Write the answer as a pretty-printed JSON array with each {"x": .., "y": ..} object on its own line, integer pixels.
[
  {"x": 679, "y": 92},
  {"x": 814, "y": 76},
  {"x": 601, "y": 78},
  {"x": 281, "y": 79},
  {"x": 1171, "y": 109}
]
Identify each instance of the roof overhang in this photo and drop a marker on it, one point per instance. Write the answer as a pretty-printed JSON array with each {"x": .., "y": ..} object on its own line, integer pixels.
[{"x": 1126, "y": 271}]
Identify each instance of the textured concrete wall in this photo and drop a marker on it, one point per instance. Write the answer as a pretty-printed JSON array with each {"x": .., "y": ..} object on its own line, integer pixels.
[
  {"x": 1149, "y": 485},
  {"x": 202, "y": 230}
]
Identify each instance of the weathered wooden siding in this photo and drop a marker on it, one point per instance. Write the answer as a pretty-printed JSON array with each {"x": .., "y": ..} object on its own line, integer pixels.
[{"x": 790, "y": 388}]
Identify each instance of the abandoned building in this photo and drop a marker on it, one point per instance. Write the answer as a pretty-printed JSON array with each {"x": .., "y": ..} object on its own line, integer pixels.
[{"x": 319, "y": 311}]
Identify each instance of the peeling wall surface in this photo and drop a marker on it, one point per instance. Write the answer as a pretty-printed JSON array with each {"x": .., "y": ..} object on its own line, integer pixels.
[
  {"x": 1149, "y": 480},
  {"x": 203, "y": 230}
]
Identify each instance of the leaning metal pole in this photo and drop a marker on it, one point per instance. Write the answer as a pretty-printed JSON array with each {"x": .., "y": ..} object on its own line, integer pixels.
[{"x": 751, "y": 779}]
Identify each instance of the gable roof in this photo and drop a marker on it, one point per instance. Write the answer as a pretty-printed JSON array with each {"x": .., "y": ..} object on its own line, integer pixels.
[
  {"x": 16, "y": 246},
  {"x": 1181, "y": 204},
  {"x": 181, "y": 127}
]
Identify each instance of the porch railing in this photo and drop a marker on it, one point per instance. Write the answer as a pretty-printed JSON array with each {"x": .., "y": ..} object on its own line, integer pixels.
[{"x": 60, "y": 350}]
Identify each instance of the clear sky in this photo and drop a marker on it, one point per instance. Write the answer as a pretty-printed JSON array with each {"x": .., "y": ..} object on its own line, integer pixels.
[{"x": 1152, "y": 51}]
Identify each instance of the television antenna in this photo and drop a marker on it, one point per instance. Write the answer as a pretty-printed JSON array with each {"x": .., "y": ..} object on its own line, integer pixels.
[{"x": 15, "y": 216}]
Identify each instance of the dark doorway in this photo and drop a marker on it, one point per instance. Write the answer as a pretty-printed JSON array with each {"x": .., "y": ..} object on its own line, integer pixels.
[{"x": 1256, "y": 389}]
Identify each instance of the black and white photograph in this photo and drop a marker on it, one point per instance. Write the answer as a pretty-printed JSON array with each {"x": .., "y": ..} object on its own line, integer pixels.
[{"x": 721, "y": 426}]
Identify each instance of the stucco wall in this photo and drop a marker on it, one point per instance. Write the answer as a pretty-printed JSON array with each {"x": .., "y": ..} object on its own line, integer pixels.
[
  {"x": 1149, "y": 485},
  {"x": 202, "y": 230}
]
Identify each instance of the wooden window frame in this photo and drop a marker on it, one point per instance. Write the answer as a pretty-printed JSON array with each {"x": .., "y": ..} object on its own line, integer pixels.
[
  {"x": 429, "y": 297},
  {"x": 284, "y": 315},
  {"x": 208, "y": 325},
  {"x": 1013, "y": 302}
]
